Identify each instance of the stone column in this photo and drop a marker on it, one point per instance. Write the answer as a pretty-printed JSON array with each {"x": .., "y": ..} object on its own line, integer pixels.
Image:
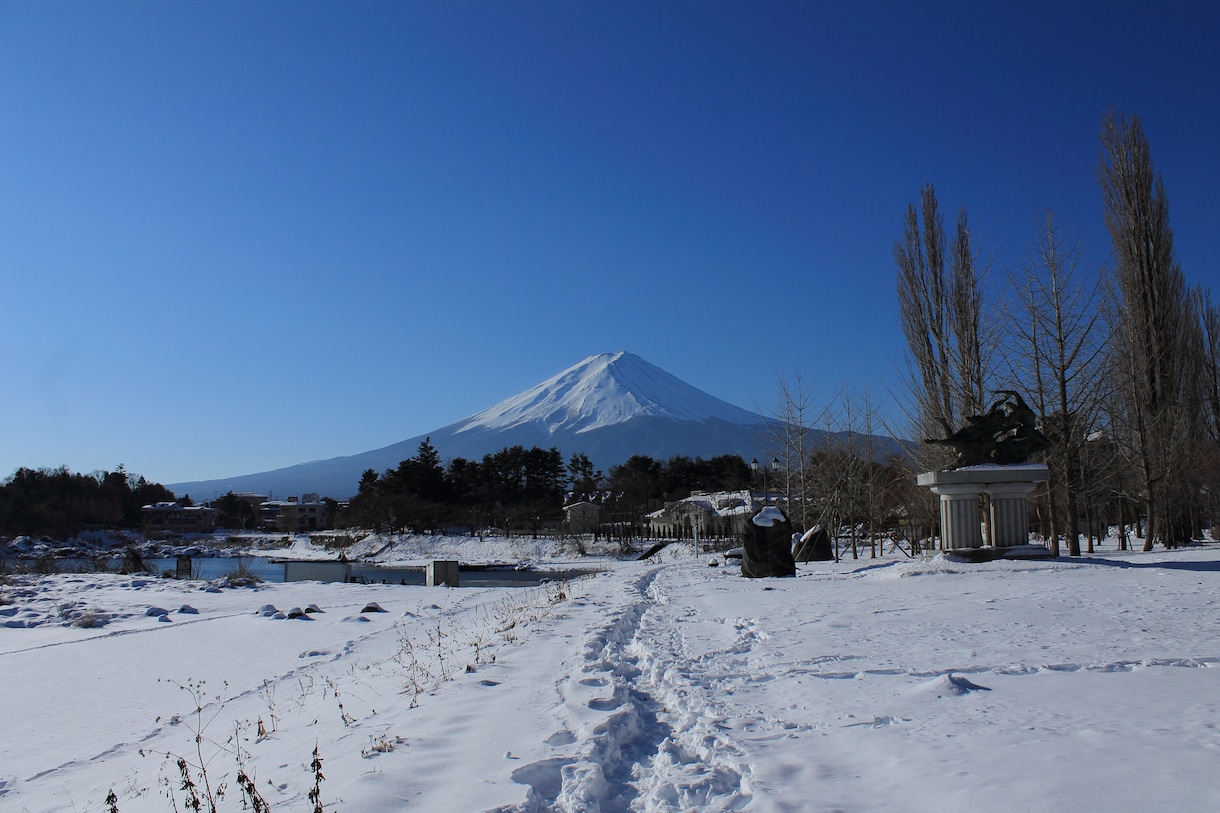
[
  {"x": 1007, "y": 486},
  {"x": 959, "y": 515},
  {"x": 1010, "y": 513}
]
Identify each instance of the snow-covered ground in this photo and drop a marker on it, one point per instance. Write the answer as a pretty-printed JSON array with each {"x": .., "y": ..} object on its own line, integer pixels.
[{"x": 896, "y": 685}]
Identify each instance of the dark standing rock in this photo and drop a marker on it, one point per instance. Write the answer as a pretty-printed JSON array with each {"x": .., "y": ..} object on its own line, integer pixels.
[
  {"x": 768, "y": 545},
  {"x": 814, "y": 546}
]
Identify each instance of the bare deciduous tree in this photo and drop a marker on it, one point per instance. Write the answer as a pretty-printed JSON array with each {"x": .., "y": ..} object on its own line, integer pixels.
[
  {"x": 790, "y": 442},
  {"x": 1057, "y": 349},
  {"x": 941, "y": 313},
  {"x": 1151, "y": 315},
  {"x": 1209, "y": 325}
]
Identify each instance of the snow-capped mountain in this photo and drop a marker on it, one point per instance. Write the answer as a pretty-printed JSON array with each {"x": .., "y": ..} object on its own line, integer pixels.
[
  {"x": 609, "y": 406},
  {"x": 603, "y": 391}
]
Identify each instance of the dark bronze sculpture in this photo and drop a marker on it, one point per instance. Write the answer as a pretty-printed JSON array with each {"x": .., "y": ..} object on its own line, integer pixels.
[{"x": 1007, "y": 434}]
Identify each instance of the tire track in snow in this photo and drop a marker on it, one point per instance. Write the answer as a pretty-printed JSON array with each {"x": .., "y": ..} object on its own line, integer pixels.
[
  {"x": 209, "y": 705},
  {"x": 315, "y": 662},
  {"x": 812, "y": 668},
  {"x": 177, "y": 624}
]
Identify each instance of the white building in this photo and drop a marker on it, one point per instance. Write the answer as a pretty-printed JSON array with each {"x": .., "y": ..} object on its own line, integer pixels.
[
  {"x": 720, "y": 513},
  {"x": 306, "y": 513},
  {"x": 176, "y": 518}
]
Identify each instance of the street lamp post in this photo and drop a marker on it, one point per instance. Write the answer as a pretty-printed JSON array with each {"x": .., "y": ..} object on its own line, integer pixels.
[
  {"x": 754, "y": 469},
  {"x": 774, "y": 467}
]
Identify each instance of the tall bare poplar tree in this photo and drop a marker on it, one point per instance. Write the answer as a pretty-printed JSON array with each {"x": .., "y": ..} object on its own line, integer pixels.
[
  {"x": 1209, "y": 325},
  {"x": 1151, "y": 325},
  {"x": 1057, "y": 349},
  {"x": 940, "y": 306},
  {"x": 1208, "y": 449}
]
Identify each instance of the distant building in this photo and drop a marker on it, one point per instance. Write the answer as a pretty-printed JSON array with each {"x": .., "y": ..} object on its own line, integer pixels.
[
  {"x": 721, "y": 513},
  {"x": 175, "y": 518},
  {"x": 307, "y": 513},
  {"x": 582, "y": 517},
  {"x": 252, "y": 498}
]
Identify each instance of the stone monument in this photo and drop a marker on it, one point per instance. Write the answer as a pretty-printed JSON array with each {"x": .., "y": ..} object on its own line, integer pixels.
[
  {"x": 992, "y": 459},
  {"x": 813, "y": 546},
  {"x": 767, "y": 549}
]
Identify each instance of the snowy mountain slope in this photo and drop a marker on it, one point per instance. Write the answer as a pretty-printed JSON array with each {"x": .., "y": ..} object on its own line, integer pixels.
[
  {"x": 605, "y": 390},
  {"x": 609, "y": 406}
]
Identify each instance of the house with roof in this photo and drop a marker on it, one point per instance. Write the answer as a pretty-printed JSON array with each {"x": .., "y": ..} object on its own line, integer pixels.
[
  {"x": 712, "y": 514},
  {"x": 294, "y": 514},
  {"x": 164, "y": 518},
  {"x": 582, "y": 517}
]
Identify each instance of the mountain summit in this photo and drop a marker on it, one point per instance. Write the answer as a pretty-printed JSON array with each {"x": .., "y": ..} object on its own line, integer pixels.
[
  {"x": 604, "y": 390},
  {"x": 609, "y": 406}
]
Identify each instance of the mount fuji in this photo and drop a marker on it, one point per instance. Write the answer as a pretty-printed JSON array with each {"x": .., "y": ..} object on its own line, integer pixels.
[{"x": 609, "y": 406}]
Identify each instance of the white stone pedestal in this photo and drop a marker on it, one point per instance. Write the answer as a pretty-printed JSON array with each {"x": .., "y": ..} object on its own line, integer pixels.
[
  {"x": 1010, "y": 513},
  {"x": 1007, "y": 488},
  {"x": 959, "y": 515}
]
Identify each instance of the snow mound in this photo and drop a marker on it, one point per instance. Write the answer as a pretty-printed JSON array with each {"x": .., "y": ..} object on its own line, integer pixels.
[
  {"x": 950, "y": 684},
  {"x": 768, "y": 517}
]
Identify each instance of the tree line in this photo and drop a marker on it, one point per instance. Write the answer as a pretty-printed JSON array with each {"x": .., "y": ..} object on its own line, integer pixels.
[
  {"x": 515, "y": 489},
  {"x": 524, "y": 490},
  {"x": 60, "y": 504},
  {"x": 1121, "y": 362}
]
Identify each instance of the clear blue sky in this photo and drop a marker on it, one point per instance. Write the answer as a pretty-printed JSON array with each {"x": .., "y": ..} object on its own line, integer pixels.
[{"x": 240, "y": 235}]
